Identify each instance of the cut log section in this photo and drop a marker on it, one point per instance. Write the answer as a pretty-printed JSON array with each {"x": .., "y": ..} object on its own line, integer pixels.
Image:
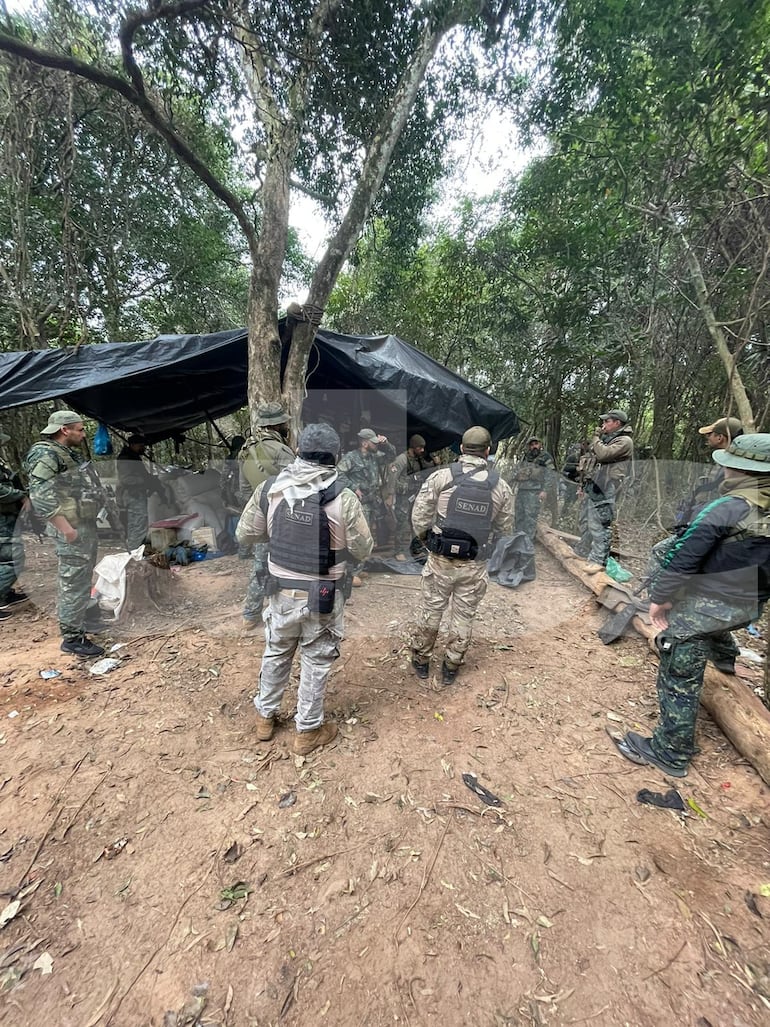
[{"x": 733, "y": 706}]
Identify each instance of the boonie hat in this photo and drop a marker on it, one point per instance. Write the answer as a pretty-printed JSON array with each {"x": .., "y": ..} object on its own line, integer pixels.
[
  {"x": 58, "y": 419},
  {"x": 271, "y": 413},
  {"x": 4, "y": 437},
  {"x": 727, "y": 426},
  {"x": 618, "y": 415},
  {"x": 746, "y": 453},
  {"x": 367, "y": 435},
  {"x": 416, "y": 441},
  {"x": 477, "y": 438}
]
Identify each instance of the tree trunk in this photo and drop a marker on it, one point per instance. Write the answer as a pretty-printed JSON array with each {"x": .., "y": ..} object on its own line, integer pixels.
[{"x": 733, "y": 706}]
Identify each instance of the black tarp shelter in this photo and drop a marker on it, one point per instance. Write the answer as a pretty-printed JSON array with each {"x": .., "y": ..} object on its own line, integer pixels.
[{"x": 162, "y": 387}]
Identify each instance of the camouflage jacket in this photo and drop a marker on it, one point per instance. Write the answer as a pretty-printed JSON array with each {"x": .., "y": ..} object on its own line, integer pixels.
[
  {"x": 405, "y": 475},
  {"x": 11, "y": 497},
  {"x": 536, "y": 471},
  {"x": 57, "y": 485},
  {"x": 361, "y": 471},
  {"x": 433, "y": 498},
  {"x": 263, "y": 455}
]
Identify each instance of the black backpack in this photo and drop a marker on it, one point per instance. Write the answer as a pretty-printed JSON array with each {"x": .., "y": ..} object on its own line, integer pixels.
[{"x": 300, "y": 539}]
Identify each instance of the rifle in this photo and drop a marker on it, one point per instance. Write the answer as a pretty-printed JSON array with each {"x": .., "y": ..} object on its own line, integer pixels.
[{"x": 103, "y": 496}]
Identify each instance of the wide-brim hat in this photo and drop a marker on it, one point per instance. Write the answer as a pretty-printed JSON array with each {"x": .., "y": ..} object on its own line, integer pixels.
[
  {"x": 58, "y": 419},
  {"x": 271, "y": 413},
  {"x": 746, "y": 453}
]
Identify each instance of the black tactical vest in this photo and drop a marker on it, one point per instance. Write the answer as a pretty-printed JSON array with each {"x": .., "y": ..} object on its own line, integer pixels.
[
  {"x": 468, "y": 522},
  {"x": 300, "y": 539}
]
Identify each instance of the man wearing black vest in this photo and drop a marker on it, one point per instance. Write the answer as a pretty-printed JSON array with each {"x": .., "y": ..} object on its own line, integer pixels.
[
  {"x": 313, "y": 527},
  {"x": 457, "y": 512}
]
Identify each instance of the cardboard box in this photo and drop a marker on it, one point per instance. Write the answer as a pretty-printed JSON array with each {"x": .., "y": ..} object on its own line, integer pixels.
[
  {"x": 204, "y": 536},
  {"x": 162, "y": 538}
]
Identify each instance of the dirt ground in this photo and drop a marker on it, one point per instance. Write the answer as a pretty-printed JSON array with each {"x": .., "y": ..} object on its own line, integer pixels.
[{"x": 160, "y": 867}]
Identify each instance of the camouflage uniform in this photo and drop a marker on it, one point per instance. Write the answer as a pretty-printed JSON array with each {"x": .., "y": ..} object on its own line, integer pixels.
[
  {"x": 601, "y": 472},
  {"x": 535, "y": 474},
  {"x": 405, "y": 475},
  {"x": 135, "y": 484},
  {"x": 11, "y": 549},
  {"x": 264, "y": 455},
  {"x": 361, "y": 473},
  {"x": 463, "y": 581},
  {"x": 716, "y": 577},
  {"x": 58, "y": 486},
  {"x": 288, "y": 622}
]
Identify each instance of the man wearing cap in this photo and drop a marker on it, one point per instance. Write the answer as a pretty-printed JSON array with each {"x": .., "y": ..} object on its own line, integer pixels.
[
  {"x": 718, "y": 435},
  {"x": 135, "y": 484},
  {"x": 715, "y": 577},
  {"x": 314, "y": 525},
  {"x": 601, "y": 472},
  {"x": 534, "y": 475},
  {"x": 62, "y": 495},
  {"x": 265, "y": 453},
  {"x": 458, "y": 512},
  {"x": 361, "y": 470},
  {"x": 13, "y": 499},
  {"x": 405, "y": 475}
]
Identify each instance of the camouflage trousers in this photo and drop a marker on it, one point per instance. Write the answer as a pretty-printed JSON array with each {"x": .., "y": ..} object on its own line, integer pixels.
[
  {"x": 290, "y": 625},
  {"x": 11, "y": 554},
  {"x": 597, "y": 514},
  {"x": 465, "y": 583},
  {"x": 699, "y": 630},
  {"x": 402, "y": 539},
  {"x": 255, "y": 592},
  {"x": 76, "y": 566},
  {"x": 136, "y": 520},
  {"x": 527, "y": 511}
]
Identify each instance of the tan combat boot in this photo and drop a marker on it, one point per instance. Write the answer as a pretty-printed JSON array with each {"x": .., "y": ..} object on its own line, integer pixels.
[
  {"x": 306, "y": 741},
  {"x": 265, "y": 728}
]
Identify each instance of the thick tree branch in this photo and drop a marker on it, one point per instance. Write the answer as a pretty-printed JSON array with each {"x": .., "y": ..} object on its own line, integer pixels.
[{"x": 139, "y": 100}]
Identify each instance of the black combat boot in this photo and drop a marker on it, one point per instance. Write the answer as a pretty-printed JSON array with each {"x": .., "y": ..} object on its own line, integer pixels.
[
  {"x": 81, "y": 646},
  {"x": 448, "y": 674}
]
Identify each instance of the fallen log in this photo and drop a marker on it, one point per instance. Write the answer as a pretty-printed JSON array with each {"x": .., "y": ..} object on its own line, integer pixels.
[{"x": 732, "y": 705}]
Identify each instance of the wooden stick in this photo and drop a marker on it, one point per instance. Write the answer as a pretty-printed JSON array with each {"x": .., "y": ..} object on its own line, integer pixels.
[
  {"x": 733, "y": 706},
  {"x": 425, "y": 878}
]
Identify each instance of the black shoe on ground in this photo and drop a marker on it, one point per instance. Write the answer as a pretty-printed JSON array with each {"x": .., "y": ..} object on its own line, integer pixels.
[
  {"x": 637, "y": 749},
  {"x": 5, "y": 615},
  {"x": 13, "y": 598},
  {"x": 726, "y": 666},
  {"x": 420, "y": 667},
  {"x": 448, "y": 674},
  {"x": 81, "y": 646}
]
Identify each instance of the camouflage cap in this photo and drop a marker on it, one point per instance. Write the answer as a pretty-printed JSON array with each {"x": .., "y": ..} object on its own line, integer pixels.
[
  {"x": 271, "y": 413},
  {"x": 416, "y": 441},
  {"x": 367, "y": 435},
  {"x": 532, "y": 438},
  {"x": 727, "y": 426},
  {"x": 58, "y": 419},
  {"x": 477, "y": 438},
  {"x": 746, "y": 453},
  {"x": 615, "y": 415}
]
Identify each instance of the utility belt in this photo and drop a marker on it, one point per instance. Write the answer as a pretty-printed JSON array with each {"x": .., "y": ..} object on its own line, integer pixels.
[
  {"x": 321, "y": 592},
  {"x": 456, "y": 547}
]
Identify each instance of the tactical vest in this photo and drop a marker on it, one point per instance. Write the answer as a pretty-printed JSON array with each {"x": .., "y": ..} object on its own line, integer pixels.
[
  {"x": 258, "y": 464},
  {"x": 467, "y": 525},
  {"x": 77, "y": 501},
  {"x": 300, "y": 538}
]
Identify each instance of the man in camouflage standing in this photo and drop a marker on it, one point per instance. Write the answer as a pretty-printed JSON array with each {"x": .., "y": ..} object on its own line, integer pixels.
[
  {"x": 602, "y": 470},
  {"x": 360, "y": 469},
  {"x": 135, "y": 485},
  {"x": 13, "y": 500},
  {"x": 405, "y": 476},
  {"x": 535, "y": 474},
  {"x": 265, "y": 453},
  {"x": 714, "y": 578},
  {"x": 62, "y": 495},
  {"x": 459, "y": 511}
]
